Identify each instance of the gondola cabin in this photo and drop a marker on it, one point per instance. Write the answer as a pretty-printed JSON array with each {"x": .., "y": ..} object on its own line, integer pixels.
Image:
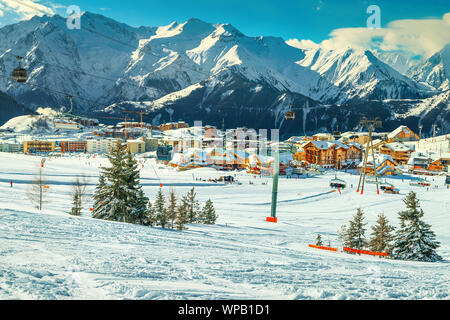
[
  {"x": 290, "y": 115},
  {"x": 20, "y": 74}
]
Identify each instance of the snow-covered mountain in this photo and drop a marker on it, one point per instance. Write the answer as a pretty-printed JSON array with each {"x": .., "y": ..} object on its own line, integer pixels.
[
  {"x": 63, "y": 61},
  {"x": 397, "y": 60},
  {"x": 195, "y": 70},
  {"x": 360, "y": 75},
  {"x": 435, "y": 70}
]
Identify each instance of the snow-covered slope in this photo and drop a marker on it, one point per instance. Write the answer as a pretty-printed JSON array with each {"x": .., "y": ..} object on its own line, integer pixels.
[
  {"x": 435, "y": 70},
  {"x": 52, "y": 255}
]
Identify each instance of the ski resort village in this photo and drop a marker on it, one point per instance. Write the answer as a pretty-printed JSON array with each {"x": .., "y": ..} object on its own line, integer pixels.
[
  {"x": 195, "y": 161},
  {"x": 196, "y": 219}
]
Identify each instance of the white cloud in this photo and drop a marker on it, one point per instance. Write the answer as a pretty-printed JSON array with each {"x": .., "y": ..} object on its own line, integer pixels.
[
  {"x": 415, "y": 36},
  {"x": 302, "y": 44},
  {"x": 26, "y": 9}
]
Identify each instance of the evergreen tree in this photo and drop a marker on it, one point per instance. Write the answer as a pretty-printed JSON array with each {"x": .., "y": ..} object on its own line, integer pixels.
[
  {"x": 139, "y": 211},
  {"x": 319, "y": 240},
  {"x": 150, "y": 218},
  {"x": 208, "y": 214},
  {"x": 344, "y": 236},
  {"x": 160, "y": 210},
  {"x": 136, "y": 200},
  {"x": 76, "y": 204},
  {"x": 101, "y": 198},
  {"x": 381, "y": 236},
  {"x": 414, "y": 240},
  {"x": 172, "y": 208},
  {"x": 114, "y": 205},
  {"x": 193, "y": 206},
  {"x": 182, "y": 214},
  {"x": 353, "y": 235}
]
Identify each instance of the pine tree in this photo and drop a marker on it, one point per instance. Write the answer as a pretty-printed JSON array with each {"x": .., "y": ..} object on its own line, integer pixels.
[
  {"x": 114, "y": 205},
  {"x": 381, "y": 236},
  {"x": 150, "y": 217},
  {"x": 208, "y": 214},
  {"x": 160, "y": 210},
  {"x": 193, "y": 206},
  {"x": 172, "y": 208},
  {"x": 136, "y": 200},
  {"x": 101, "y": 199},
  {"x": 139, "y": 211},
  {"x": 353, "y": 235},
  {"x": 182, "y": 214},
  {"x": 76, "y": 204},
  {"x": 414, "y": 240},
  {"x": 319, "y": 240},
  {"x": 344, "y": 236}
]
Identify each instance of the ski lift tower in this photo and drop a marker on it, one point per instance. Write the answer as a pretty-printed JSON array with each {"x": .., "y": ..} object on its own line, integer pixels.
[
  {"x": 276, "y": 171},
  {"x": 370, "y": 125}
]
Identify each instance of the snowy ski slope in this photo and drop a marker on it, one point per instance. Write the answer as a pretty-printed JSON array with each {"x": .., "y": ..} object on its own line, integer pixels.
[{"x": 51, "y": 255}]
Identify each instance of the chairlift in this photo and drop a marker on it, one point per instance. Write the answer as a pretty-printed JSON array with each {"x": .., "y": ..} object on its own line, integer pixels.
[
  {"x": 20, "y": 74},
  {"x": 337, "y": 183}
]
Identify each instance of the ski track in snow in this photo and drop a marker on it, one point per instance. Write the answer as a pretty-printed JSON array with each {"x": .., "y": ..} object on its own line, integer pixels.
[{"x": 51, "y": 255}]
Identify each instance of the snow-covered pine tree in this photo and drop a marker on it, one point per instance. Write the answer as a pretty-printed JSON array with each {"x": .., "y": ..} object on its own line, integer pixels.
[
  {"x": 139, "y": 211},
  {"x": 414, "y": 240},
  {"x": 150, "y": 218},
  {"x": 76, "y": 204},
  {"x": 160, "y": 210},
  {"x": 344, "y": 236},
  {"x": 353, "y": 235},
  {"x": 381, "y": 236},
  {"x": 101, "y": 201},
  {"x": 319, "y": 240},
  {"x": 193, "y": 206},
  {"x": 357, "y": 231},
  {"x": 135, "y": 198},
  {"x": 115, "y": 204},
  {"x": 208, "y": 214},
  {"x": 182, "y": 214},
  {"x": 172, "y": 208}
]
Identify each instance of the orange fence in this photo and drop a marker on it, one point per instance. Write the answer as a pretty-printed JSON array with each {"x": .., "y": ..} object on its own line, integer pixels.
[
  {"x": 382, "y": 254},
  {"x": 323, "y": 248}
]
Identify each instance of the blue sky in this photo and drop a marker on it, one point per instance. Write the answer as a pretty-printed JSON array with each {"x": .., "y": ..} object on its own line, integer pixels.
[{"x": 300, "y": 19}]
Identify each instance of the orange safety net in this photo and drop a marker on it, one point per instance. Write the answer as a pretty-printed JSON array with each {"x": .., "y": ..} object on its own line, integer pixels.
[
  {"x": 323, "y": 248},
  {"x": 372, "y": 253}
]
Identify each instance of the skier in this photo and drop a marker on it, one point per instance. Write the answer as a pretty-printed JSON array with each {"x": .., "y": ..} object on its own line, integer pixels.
[{"x": 10, "y": 183}]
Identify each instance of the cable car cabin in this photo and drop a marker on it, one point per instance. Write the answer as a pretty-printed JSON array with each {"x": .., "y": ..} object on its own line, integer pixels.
[
  {"x": 20, "y": 75},
  {"x": 290, "y": 115},
  {"x": 337, "y": 183}
]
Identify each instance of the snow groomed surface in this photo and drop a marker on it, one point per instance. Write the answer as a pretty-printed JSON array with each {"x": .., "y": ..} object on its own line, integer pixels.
[{"x": 51, "y": 255}]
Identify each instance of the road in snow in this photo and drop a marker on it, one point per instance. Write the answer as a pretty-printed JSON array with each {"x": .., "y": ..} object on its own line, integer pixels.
[{"x": 51, "y": 255}]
